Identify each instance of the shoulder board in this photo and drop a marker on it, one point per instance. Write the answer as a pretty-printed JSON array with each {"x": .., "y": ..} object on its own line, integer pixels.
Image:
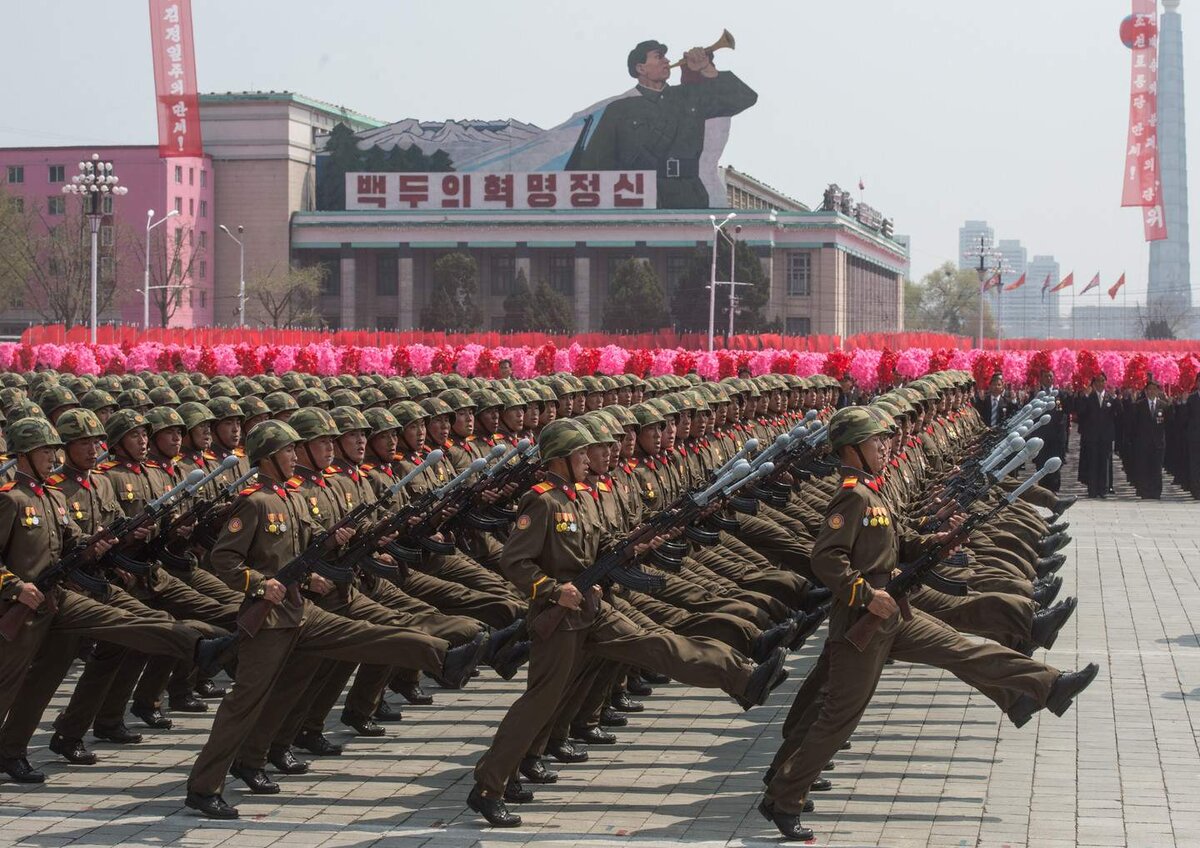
[
  {"x": 107, "y": 464},
  {"x": 55, "y": 479},
  {"x": 239, "y": 451},
  {"x": 209, "y": 455},
  {"x": 152, "y": 463},
  {"x": 849, "y": 482},
  {"x": 582, "y": 487},
  {"x": 9, "y": 486},
  {"x": 471, "y": 438},
  {"x": 542, "y": 488},
  {"x": 604, "y": 487},
  {"x": 251, "y": 489},
  {"x": 294, "y": 482},
  {"x": 366, "y": 466},
  {"x": 330, "y": 470}
]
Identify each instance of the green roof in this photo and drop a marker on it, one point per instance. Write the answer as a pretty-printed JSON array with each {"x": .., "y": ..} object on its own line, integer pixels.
[{"x": 329, "y": 109}]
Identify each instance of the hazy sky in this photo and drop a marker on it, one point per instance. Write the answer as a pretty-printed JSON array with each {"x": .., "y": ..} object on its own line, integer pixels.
[{"x": 1011, "y": 111}]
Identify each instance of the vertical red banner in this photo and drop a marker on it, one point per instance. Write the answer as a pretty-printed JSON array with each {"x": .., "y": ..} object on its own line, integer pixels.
[
  {"x": 1142, "y": 184},
  {"x": 175, "y": 78}
]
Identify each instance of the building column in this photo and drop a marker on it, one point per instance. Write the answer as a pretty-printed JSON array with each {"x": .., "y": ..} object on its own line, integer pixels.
[
  {"x": 583, "y": 289},
  {"x": 349, "y": 294},
  {"x": 522, "y": 263},
  {"x": 404, "y": 289}
]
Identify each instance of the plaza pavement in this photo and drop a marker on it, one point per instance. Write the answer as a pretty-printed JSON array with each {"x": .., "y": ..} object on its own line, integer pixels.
[{"x": 932, "y": 762}]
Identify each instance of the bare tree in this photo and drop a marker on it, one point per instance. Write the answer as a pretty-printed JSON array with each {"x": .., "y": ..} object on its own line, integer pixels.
[
  {"x": 286, "y": 295},
  {"x": 173, "y": 257},
  {"x": 1165, "y": 317},
  {"x": 45, "y": 261}
]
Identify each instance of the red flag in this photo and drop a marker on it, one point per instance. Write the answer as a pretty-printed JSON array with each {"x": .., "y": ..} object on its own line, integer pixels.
[
  {"x": 991, "y": 282},
  {"x": 1045, "y": 285},
  {"x": 1020, "y": 281},
  {"x": 175, "y": 78},
  {"x": 1112, "y": 293},
  {"x": 1094, "y": 284},
  {"x": 1067, "y": 282},
  {"x": 861, "y": 184}
]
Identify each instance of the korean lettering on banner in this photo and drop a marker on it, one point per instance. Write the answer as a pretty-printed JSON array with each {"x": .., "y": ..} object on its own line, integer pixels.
[
  {"x": 175, "y": 78},
  {"x": 1142, "y": 183},
  {"x": 507, "y": 190}
]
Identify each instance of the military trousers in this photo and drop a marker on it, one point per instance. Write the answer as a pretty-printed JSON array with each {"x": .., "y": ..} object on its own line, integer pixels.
[
  {"x": 555, "y": 662},
  {"x": 1001, "y": 674}
]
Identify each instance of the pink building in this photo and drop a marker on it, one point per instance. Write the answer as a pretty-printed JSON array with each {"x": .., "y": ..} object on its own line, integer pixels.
[{"x": 181, "y": 251}]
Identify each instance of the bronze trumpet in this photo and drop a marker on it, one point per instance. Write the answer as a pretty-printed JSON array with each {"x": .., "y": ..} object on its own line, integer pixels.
[{"x": 726, "y": 40}]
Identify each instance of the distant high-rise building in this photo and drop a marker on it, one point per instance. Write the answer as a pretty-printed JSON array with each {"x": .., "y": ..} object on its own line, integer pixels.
[
  {"x": 1043, "y": 321},
  {"x": 1170, "y": 282},
  {"x": 1016, "y": 312},
  {"x": 969, "y": 236}
]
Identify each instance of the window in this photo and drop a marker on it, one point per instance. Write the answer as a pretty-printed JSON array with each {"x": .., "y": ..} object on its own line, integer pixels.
[
  {"x": 191, "y": 176},
  {"x": 178, "y": 238},
  {"x": 56, "y": 205},
  {"x": 562, "y": 273},
  {"x": 203, "y": 208},
  {"x": 190, "y": 234},
  {"x": 16, "y": 174},
  {"x": 179, "y": 175},
  {"x": 387, "y": 271},
  {"x": 799, "y": 326},
  {"x": 192, "y": 206},
  {"x": 18, "y": 204},
  {"x": 677, "y": 264},
  {"x": 504, "y": 273},
  {"x": 799, "y": 274},
  {"x": 58, "y": 174},
  {"x": 203, "y": 293},
  {"x": 203, "y": 270},
  {"x": 331, "y": 283},
  {"x": 106, "y": 235},
  {"x": 203, "y": 178},
  {"x": 203, "y": 239},
  {"x": 189, "y": 298},
  {"x": 106, "y": 204},
  {"x": 179, "y": 205},
  {"x": 106, "y": 267}
]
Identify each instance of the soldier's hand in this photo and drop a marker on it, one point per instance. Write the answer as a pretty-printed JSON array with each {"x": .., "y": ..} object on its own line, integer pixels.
[
  {"x": 31, "y": 596},
  {"x": 489, "y": 496},
  {"x": 319, "y": 585},
  {"x": 183, "y": 531},
  {"x": 597, "y": 594},
  {"x": 882, "y": 604},
  {"x": 569, "y": 596},
  {"x": 697, "y": 59},
  {"x": 143, "y": 533},
  {"x": 388, "y": 539},
  {"x": 343, "y": 535},
  {"x": 101, "y": 547},
  {"x": 274, "y": 592}
]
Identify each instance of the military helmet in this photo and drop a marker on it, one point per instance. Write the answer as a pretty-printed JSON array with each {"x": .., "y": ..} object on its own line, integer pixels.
[
  {"x": 279, "y": 402},
  {"x": 79, "y": 424},
  {"x": 394, "y": 389},
  {"x": 852, "y": 425},
  {"x": 164, "y": 396},
  {"x": 510, "y": 399},
  {"x": 12, "y": 380},
  {"x": 123, "y": 422},
  {"x": 456, "y": 399},
  {"x": 434, "y": 383},
  {"x": 600, "y": 428},
  {"x": 436, "y": 406},
  {"x": 10, "y": 396},
  {"x": 197, "y": 394},
  {"x": 25, "y": 409},
  {"x": 381, "y": 421},
  {"x": 225, "y": 407},
  {"x": 314, "y": 397},
  {"x": 162, "y": 417},
  {"x": 153, "y": 380},
  {"x": 647, "y": 414},
  {"x": 292, "y": 382},
  {"x": 349, "y": 419},
  {"x": 454, "y": 380},
  {"x": 623, "y": 415},
  {"x": 371, "y": 396},
  {"x": 562, "y": 437},
  {"x": 268, "y": 438},
  {"x": 345, "y": 397},
  {"x": 408, "y": 411},
  {"x": 194, "y": 414},
  {"x": 97, "y": 399},
  {"x": 56, "y": 397},
  {"x": 312, "y": 422},
  {"x": 29, "y": 434},
  {"x": 253, "y": 405},
  {"x": 485, "y": 399},
  {"x": 247, "y": 387}
]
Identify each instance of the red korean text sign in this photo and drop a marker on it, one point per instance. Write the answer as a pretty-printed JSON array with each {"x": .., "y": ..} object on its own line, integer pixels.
[
  {"x": 175, "y": 78},
  {"x": 503, "y": 190},
  {"x": 1142, "y": 183}
]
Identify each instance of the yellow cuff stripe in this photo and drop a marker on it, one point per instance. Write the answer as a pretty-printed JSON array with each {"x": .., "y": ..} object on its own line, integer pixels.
[
  {"x": 538, "y": 582},
  {"x": 247, "y": 589},
  {"x": 854, "y": 591}
]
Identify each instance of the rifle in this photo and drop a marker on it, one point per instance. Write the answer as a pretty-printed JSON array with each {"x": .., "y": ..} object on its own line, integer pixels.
[
  {"x": 427, "y": 509},
  {"x": 253, "y": 614},
  {"x": 8, "y": 466},
  {"x": 212, "y": 512},
  {"x": 157, "y": 548},
  {"x": 922, "y": 570},
  {"x": 618, "y": 564},
  {"x": 71, "y": 565},
  {"x": 519, "y": 476}
]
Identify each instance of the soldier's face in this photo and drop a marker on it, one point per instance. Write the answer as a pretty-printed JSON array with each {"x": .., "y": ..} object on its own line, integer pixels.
[
  {"x": 488, "y": 419},
  {"x": 383, "y": 445},
  {"x": 285, "y": 459},
  {"x": 684, "y": 427},
  {"x": 321, "y": 451},
  {"x": 42, "y": 460},
  {"x": 624, "y": 395},
  {"x": 82, "y": 453},
  {"x": 169, "y": 441},
  {"x": 593, "y": 401},
  {"x": 354, "y": 445},
  {"x": 514, "y": 418},
  {"x": 229, "y": 432},
  {"x": 628, "y": 442},
  {"x": 548, "y": 414},
  {"x": 464, "y": 422},
  {"x": 104, "y": 413},
  {"x": 578, "y": 460},
  {"x": 201, "y": 436},
  {"x": 438, "y": 430},
  {"x": 669, "y": 432},
  {"x": 650, "y": 439},
  {"x": 655, "y": 69},
  {"x": 135, "y": 444},
  {"x": 597, "y": 457},
  {"x": 532, "y": 414},
  {"x": 414, "y": 434}
]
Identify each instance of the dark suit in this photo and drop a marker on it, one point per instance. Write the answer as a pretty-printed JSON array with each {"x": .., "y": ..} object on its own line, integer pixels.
[
  {"x": 1097, "y": 430},
  {"x": 994, "y": 411},
  {"x": 1148, "y": 444},
  {"x": 1191, "y": 437},
  {"x": 1054, "y": 435}
]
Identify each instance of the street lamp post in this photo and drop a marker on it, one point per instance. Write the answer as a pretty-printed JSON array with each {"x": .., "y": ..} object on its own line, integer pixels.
[
  {"x": 146, "y": 285},
  {"x": 241, "y": 271},
  {"x": 718, "y": 231},
  {"x": 93, "y": 183},
  {"x": 733, "y": 284}
]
